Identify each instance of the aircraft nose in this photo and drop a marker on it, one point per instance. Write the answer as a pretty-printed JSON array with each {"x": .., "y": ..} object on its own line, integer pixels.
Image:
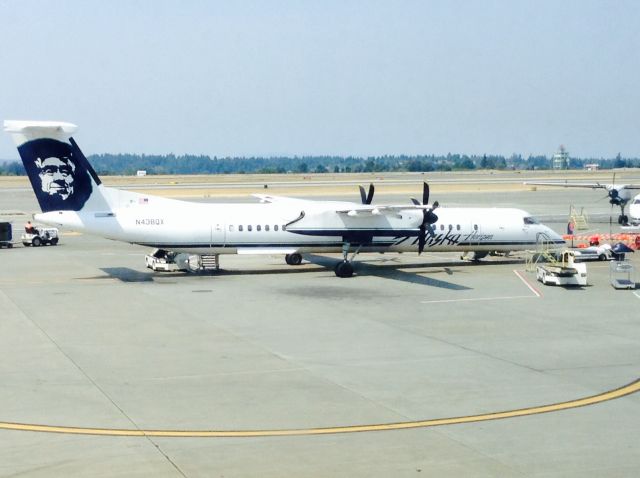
[{"x": 553, "y": 235}]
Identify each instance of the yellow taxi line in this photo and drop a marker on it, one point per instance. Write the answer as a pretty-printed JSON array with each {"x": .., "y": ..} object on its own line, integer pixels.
[{"x": 556, "y": 407}]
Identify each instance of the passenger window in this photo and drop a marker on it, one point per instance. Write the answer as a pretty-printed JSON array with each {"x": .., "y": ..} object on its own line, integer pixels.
[
  {"x": 442, "y": 227},
  {"x": 240, "y": 228},
  {"x": 450, "y": 226},
  {"x": 458, "y": 227},
  {"x": 266, "y": 228},
  {"x": 258, "y": 228},
  {"x": 249, "y": 228},
  {"x": 275, "y": 228},
  {"x": 475, "y": 227}
]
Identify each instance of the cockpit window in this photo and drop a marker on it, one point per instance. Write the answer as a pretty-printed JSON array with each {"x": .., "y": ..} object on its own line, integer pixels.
[
  {"x": 530, "y": 220},
  {"x": 637, "y": 201}
]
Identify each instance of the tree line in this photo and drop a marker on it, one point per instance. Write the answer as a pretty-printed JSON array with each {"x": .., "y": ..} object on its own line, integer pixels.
[{"x": 129, "y": 164}]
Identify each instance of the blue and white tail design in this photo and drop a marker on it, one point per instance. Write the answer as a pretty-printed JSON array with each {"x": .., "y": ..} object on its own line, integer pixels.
[{"x": 61, "y": 176}]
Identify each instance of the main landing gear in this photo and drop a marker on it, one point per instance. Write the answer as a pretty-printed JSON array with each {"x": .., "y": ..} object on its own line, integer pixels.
[
  {"x": 294, "y": 259},
  {"x": 344, "y": 268}
]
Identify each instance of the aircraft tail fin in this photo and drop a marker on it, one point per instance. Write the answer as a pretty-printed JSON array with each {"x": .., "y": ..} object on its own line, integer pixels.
[{"x": 61, "y": 176}]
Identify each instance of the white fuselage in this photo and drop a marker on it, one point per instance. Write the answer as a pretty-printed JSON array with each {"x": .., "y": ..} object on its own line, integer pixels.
[
  {"x": 634, "y": 211},
  {"x": 303, "y": 226}
]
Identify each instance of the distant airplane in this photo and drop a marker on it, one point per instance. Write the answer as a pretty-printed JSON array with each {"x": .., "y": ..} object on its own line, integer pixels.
[
  {"x": 618, "y": 194},
  {"x": 71, "y": 195}
]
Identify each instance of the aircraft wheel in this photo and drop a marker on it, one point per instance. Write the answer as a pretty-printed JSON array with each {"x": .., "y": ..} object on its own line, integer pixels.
[
  {"x": 602, "y": 257},
  {"x": 54, "y": 241},
  {"x": 344, "y": 269},
  {"x": 36, "y": 242},
  {"x": 293, "y": 259},
  {"x": 625, "y": 219}
]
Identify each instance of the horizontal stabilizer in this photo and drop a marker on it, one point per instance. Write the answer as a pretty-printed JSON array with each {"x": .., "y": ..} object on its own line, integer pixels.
[{"x": 23, "y": 131}]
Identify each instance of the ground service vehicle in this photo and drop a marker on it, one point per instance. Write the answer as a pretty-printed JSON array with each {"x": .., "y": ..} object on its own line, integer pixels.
[
  {"x": 42, "y": 236},
  {"x": 564, "y": 272}
]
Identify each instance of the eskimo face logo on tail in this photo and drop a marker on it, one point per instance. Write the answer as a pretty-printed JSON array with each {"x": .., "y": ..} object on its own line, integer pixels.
[{"x": 58, "y": 178}]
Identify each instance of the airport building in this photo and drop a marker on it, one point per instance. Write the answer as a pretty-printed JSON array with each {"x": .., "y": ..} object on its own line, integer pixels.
[{"x": 561, "y": 159}]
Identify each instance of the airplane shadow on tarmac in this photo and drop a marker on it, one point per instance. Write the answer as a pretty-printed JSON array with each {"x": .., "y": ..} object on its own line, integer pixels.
[{"x": 390, "y": 269}]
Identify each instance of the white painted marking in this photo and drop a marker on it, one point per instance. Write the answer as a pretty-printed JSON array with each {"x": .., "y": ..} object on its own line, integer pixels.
[
  {"x": 636, "y": 294},
  {"x": 526, "y": 282},
  {"x": 479, "y": 298}
]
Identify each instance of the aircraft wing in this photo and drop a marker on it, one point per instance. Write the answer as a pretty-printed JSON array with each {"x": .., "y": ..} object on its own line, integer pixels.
[{"x": 367, "y": 211}]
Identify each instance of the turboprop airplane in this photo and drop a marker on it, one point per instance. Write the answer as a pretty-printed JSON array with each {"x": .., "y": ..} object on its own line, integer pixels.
[
  {"x": 618, "y": 194},
  {"x": 71, "y": 195}
]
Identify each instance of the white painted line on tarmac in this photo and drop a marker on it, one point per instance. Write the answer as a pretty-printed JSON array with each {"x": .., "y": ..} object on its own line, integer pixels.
[
  {"x": 479, "y": 298},
  {"x": 536, "y": 292},
  {"x": 526, "y": 282},
  {"x": 636, "y": 294}
]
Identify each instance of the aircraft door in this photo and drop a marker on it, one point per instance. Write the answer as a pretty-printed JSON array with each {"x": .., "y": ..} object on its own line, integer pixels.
[{"x": 218, "y": 234}]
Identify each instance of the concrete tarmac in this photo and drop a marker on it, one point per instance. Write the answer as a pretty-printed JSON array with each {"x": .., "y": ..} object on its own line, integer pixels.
[{"x": 261, "y": 369}]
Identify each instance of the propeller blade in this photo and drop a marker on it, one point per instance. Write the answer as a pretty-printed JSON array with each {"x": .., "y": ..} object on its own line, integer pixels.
[
  {"x": 363, "y": 196},
  {"x": 422, "y": 239},
  {"x": 370, "y": 195},
  {"x": 428, "y": 218}
]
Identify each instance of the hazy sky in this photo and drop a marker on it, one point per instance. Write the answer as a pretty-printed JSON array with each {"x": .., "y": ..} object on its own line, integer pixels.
[{"x": 327, "y": 77}]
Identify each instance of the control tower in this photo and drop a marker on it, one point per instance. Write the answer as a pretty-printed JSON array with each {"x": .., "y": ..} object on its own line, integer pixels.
[{"x": 561, "y": 158}]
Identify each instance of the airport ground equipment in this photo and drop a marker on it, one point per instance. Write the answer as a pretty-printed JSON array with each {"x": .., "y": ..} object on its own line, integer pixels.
[
  {"x": 170, "y": 261},
  {"x": 6, "y": 235},
  {"x": 564, "y": 272},
  {"x": 622, "y": 275},
  {"x": 578, "y": 219},
  {"x": 620, "y": 250},
  {"x": 593, "y": 253},
  {"x": 161, "y": 260},
  {"x": 546, "y": 251},
  {"x": 43, "y": 236}
]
